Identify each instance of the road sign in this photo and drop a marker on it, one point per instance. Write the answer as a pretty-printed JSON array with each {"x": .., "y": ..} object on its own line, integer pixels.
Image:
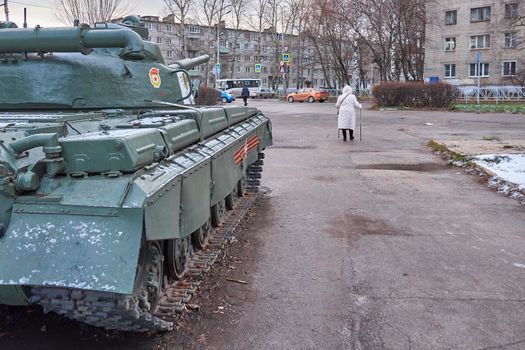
[
  {"x": 478, "y": 56},
  {"x": 286, "y": 57},
  {"x": 217, "y": 69},
  {"x": 258, "y": 68}
]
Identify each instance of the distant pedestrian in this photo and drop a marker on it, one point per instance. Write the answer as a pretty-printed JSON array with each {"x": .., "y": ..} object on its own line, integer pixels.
[
  {"x": 346, "y": 116},
  {"x": 245, "y": 94}
]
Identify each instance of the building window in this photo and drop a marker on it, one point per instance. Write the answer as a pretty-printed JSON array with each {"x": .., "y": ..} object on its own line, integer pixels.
[
  {"x": 159, "y": 26},
  {"x": 247, "y": 58},
  {"x": 509, "y": 68},
  {"x": 255, "y": 36},
  {"x": 149, "y": 26},
  {"x": 246, "y": 46},
  {"x": 450, "y": 70},
  {"x": 510, "y": 40},
  {"x": 483, "y": 69},
  {"x": 168, "y": 27},
  {"x": 168, "y": 40},
  {"x": 248, "y": 69},
  {"x": 159, "y": 40},
  {"x": 479, "y": 42},
  {"x": 238, "y": 69},
  {"x": 169, "y": 54},
  {"x": 451, "y": 17},
  {"x": 265, "y": 70},
  {"x": 194, "y": 29},
  {"x": 511, "y": 10},
  {"x": 480, "y": 14},
  {"x": 450, "y": 45}
]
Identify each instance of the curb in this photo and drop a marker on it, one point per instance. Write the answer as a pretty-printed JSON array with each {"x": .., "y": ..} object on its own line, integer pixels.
[{"x": 459, "y": 159}]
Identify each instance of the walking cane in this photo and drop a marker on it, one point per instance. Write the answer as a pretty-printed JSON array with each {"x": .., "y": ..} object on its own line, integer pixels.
[{"x": 360, "y": 120}]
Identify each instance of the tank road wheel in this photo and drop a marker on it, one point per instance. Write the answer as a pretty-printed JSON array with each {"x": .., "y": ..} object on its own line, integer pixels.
[
  {"x": 217, "y": 213},
  {"x": 311, "y": 99},
  {"x": 201, "y": 236},
  {"x": 150, "y": 275},
  {"x": 290, "y": 99},
  {"x": 231, "y": 199},
  {"x": 241, "y": 187},
  {"x": 179, "y": 255}
]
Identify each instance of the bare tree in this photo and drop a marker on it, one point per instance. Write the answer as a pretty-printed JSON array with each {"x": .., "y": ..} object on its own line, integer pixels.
[
  {"x": 91, "y": 12},
  {"x": 212, "y": 14},
  {"x": 179, "y": 9},
  {"x": 299, "y": 15},
  {"x": 513, "y": 28},
  {"x": 238, "y": 8}
]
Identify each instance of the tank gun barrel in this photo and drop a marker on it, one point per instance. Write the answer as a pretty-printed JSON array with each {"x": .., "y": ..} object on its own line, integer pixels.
[
  {"x": 189, "y": 63},
  {"x": 78, "y": 39}
]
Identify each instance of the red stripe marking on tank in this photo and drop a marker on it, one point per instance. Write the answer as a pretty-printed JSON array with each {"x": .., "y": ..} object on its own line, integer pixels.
[
  {"x": 248, "y": 145},
  {"x": 252, "y": 147}
]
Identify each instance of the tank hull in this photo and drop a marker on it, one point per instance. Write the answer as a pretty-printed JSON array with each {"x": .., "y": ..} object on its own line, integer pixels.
[{"x": 86, "y": 232}]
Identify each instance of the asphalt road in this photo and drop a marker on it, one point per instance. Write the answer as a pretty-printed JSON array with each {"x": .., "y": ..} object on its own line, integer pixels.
[
  {"x": 377, "y": 244},
  {"x": 372, "y": 244}
]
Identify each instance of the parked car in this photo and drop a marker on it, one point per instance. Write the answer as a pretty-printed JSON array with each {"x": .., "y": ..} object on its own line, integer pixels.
[
  {"x": 226, "y": 97},
  {"x": 265, "y": 93},
  {"x": 237, "y": 92},
  {"x": 309, "y": 95}
]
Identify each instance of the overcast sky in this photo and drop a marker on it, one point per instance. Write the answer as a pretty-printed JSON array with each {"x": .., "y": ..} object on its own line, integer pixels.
[{"x": 43, "y": 11}]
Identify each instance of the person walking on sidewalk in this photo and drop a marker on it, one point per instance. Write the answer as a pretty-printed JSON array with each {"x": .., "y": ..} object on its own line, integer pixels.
[
  {"x": 245, "y": 94},
  {"x": 346, "y": 115}
]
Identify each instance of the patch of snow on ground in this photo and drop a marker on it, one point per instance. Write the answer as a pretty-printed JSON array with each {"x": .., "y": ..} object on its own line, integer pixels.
[{"x": 509, "y": 167}]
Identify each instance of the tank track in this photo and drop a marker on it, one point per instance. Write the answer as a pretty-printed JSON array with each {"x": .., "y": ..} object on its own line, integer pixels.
[{"x": 123, "y": 312}]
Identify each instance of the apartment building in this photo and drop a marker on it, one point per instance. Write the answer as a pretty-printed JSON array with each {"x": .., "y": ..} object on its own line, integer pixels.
[
  {"x": 470, "y": 38},
  {"x": 240, "y": 51}
]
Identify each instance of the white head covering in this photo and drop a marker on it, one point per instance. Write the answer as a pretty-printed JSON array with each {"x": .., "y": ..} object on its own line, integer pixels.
[{"x": 347, "y": 89}]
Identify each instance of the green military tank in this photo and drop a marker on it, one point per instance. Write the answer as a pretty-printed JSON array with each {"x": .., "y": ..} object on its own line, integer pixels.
[{"x": 116, "y": 192}]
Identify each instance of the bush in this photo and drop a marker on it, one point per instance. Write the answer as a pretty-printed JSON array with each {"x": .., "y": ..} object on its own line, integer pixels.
[
  {"x": 207, "y": 96},
  {"x": 416, "y": 95}
]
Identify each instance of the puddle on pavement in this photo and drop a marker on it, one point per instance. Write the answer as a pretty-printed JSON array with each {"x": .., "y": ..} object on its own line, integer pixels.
[
  {"x": 324, "y": 178},
  {"x": 352, "y": 226},
  {"x": 423, "y": 167}
]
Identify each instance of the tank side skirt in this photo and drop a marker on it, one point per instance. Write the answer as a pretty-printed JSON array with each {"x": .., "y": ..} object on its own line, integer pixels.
[
  {"x": 123, "y": 312},
  {"x": 219, "y": 151}
]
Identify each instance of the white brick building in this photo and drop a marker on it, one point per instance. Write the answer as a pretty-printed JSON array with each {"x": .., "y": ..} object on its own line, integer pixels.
[
  {"x": 240, "y": 50},
  {"x": 459, "y": 30}
]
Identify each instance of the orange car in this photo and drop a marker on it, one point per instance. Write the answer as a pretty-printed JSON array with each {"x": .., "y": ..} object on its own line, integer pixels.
[{"x": 309, "y": 95}]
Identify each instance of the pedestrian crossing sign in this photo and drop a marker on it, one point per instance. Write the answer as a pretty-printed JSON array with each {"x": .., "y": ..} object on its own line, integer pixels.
[
  {"x": 258, "y": 68},
  {"x": 286, "y": 57}
]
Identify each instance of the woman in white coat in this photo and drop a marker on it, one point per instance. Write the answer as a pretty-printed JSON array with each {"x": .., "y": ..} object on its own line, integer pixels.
[{"x": 346, "y": 116}]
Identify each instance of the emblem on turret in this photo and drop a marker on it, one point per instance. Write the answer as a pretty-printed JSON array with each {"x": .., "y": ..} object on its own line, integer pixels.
[{"x": 154, "y": 77}]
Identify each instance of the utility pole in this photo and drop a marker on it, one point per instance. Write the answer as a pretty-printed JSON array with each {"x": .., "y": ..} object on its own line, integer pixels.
[{"x": 6, "y": 10}]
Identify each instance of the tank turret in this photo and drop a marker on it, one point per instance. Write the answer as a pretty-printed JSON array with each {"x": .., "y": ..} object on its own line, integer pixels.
[{"x": 108, "y": 66}]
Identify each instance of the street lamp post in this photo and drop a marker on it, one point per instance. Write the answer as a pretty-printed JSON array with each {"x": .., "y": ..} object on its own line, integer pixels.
[{"x": 218, "y": 62}]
